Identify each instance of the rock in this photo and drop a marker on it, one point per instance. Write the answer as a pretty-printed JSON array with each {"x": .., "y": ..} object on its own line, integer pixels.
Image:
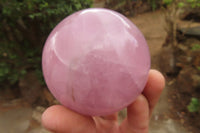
[
  {"x": 15, "y": 121},
  {"x": 183, "y": 60},
  {"x": 196, "y": 58},
  {"x": 196, "y": 80},
  {"x": 30, "y": 87},
  {"x": 188, "y": 79},
  {"x": 33, "y": 92},
  {"x": 167, "y": 60},
  {"x": 49, "y": 97},
  {"x": 182, "y": 47},
  {"x": 167, "y": 126},
  {"x": 39, "y": 130},
  {"x": 37, "y": 113},
  {"x": 191, "y": 31},
  {"x": 88, "y": 73},
  {"x": 189, "y": 28}
]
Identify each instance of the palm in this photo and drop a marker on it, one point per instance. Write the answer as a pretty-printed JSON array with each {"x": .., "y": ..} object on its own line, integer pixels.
[{"x": 62, "y": 120}]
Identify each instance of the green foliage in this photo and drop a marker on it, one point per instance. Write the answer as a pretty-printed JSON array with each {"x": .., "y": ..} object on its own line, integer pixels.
[
  {"x": 196, "y": 47},
  {"x": 153, "y": 4},
  {"x": 184, "y": 3},
  {"x": 24, "y": 27},
  {"x": 118, "y": 4},
  {"x": 181, "y": 4},
  {"x": 194, "y": 105},
  {"x": 131, "y": 6},
  {"x": 167, "y": 2},
  {"x": 194, "y": 3}
]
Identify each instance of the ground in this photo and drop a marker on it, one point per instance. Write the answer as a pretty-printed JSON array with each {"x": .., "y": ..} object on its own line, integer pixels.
[
  {"x": 152, "y": 25},
  {"x": 16, "y": 116}
]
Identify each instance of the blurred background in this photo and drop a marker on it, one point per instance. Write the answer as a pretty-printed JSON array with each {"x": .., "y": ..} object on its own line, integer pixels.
[{"x": 172, "y": 30}]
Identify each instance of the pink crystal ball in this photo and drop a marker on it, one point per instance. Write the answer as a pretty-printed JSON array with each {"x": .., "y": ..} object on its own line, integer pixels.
[{"x": 96, "y": 62}]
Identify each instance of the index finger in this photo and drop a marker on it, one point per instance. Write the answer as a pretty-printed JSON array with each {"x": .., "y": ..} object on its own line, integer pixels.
[{"x": 153, "y": 89}]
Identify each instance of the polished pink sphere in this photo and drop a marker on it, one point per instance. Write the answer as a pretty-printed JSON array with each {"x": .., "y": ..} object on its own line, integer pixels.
[{"x": 96, "y": 62}]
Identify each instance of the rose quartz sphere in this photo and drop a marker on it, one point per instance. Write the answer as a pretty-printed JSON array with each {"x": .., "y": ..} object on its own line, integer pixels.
[{"x": 96, "y": 62}]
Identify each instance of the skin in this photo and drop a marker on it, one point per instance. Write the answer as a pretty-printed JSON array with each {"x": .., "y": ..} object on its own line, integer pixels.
[{"x": 59, "y": 119}]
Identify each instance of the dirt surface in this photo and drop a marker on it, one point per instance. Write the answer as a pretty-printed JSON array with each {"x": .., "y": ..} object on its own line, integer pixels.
[
  {"x": 171, "y": 114},
  {"x": 153, "y": 26},
  {"x": 28, "y": 119},
  {"x": 186, "y": 81}
]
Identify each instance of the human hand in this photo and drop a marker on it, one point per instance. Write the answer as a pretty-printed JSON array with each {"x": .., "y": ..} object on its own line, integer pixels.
[{"x": 59, "y": 119}]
